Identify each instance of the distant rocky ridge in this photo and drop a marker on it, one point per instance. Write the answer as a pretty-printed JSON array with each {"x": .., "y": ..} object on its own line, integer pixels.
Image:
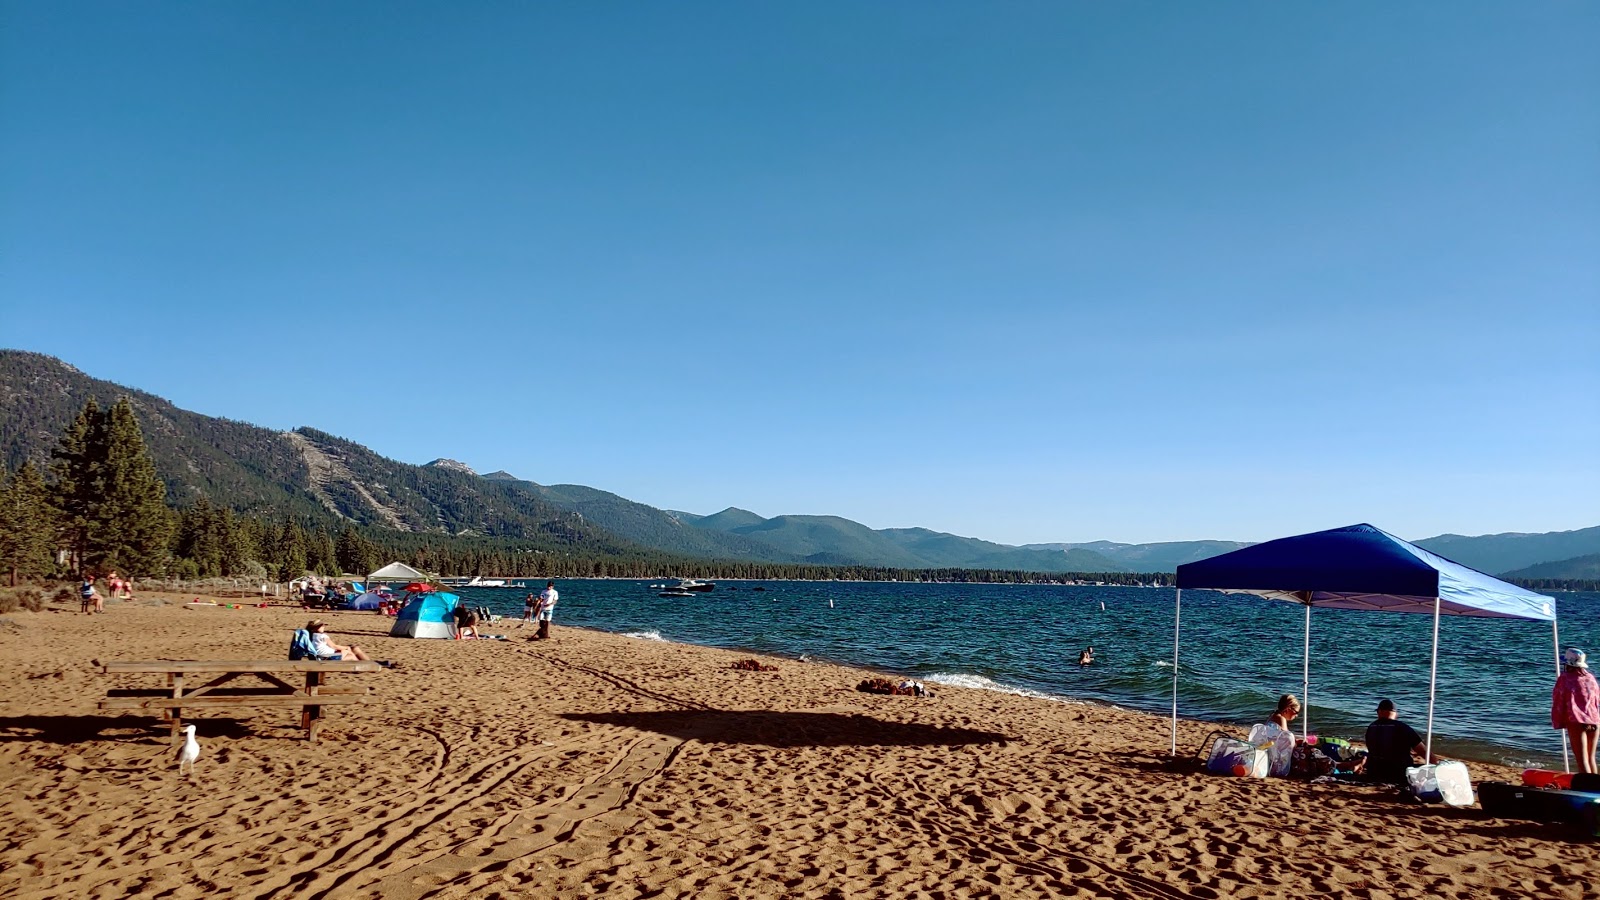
[{"x": 312, "y": 474}]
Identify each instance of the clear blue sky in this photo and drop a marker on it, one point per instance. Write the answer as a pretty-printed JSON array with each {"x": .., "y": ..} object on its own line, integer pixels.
[{"x": 1027, "y": 272}]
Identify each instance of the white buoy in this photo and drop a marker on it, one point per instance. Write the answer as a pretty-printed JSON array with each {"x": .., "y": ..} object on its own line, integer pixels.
[
  {"x": 1102, "y": 606},
  {"x": 830, "y": 603},
  {"x": 190, "y": 751}
]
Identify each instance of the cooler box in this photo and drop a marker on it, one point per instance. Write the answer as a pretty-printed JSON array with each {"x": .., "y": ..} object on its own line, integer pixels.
[{"x": 1512, "y": 801}]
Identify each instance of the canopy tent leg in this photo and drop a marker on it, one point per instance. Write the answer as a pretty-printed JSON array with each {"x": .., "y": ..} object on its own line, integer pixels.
[
  {"x": 1566, "y": 755},
  {"x": 1433, "y": 681},
  {"x": 1177, "y": 618},
  {"x": 1305, "y": 680}
]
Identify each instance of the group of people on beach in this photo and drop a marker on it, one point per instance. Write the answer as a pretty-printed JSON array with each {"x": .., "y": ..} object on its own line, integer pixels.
[
  {"x": 1393, "y": 746},
  {"x": 90, "y": 598},
  {"x": 541, "y": 608}
]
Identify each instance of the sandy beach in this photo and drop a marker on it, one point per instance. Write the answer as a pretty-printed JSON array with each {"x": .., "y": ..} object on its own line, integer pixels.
[{"x": 596, "y": 764}]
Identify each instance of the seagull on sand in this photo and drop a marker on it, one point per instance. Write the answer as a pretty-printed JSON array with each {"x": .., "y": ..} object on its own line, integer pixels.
[{"x": 190, "y": 751}]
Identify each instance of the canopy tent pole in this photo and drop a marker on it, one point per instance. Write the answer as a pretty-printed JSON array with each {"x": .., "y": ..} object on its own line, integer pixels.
[
  {"x": 1177, "y": 616},
  {"x": 1305, "y": 676},
  {"x": 1555, "y": 634},
  {"x": 1433, "y": 681}
]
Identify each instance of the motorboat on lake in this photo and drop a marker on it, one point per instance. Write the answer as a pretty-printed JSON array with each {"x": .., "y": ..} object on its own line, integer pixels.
[{"x": 685, "y": 584}]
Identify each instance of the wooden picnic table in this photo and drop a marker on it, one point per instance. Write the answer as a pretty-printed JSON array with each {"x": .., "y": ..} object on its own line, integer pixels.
[{"x": 188, "y": 687}]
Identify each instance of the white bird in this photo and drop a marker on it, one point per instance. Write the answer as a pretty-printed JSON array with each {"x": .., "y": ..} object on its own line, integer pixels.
[{"x": 190, "y": 751}]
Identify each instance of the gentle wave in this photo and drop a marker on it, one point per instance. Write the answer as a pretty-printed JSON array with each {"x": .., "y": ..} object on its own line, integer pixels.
[
  {"x": 981, "y": 683},
  {"x": 645, "y": 635}
]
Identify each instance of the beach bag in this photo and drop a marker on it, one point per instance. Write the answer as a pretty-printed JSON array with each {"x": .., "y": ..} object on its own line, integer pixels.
[
  {"x": 1279, "y": 745},
  {"x": 1447, "y": 782},
  {"x": 1336, "y": 749},
  {"x": 1231, "y": 756}
]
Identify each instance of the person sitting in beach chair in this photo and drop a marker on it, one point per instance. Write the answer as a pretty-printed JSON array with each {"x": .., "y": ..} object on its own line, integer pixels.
[{"x": 312, "y": 642}]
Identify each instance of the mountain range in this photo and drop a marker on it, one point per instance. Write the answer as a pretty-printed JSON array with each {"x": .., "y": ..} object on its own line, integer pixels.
[{"x": 315, "y": 475}]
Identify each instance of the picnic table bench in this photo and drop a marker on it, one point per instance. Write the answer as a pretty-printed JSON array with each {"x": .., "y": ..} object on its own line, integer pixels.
[{"x": 188, "y": 687}]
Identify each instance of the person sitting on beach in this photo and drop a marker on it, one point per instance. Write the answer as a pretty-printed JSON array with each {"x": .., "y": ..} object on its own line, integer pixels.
[
  {"x": 1086, "y": 657},
  {"x": 326, "y": 648},
  {"x": 1391, "y": 746},
  {"x": 1288, "y": 708},
  {"x": 466, "y": 621},
  {"x": 1575, "y": 706}
]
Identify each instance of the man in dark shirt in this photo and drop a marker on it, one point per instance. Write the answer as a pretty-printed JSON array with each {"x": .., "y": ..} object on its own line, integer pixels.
[{"x": 1391, "y": 744}]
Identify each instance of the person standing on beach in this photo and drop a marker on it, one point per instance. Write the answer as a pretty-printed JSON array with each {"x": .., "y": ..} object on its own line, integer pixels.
[
  {"x": 1575, "y": 706},
  {"x": 547, "y": 608},
  {"x": 529, "y": 607}
]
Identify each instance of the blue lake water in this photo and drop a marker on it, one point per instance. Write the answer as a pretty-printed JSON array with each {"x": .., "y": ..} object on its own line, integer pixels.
[{"x": 1239, "y": 653}]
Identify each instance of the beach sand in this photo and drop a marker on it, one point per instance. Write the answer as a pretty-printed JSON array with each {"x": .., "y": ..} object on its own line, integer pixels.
[{"x": 596, "y": 764}]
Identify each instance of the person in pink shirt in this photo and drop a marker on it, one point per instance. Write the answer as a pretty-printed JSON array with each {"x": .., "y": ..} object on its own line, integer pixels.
[{"x": 1575, "y": 706}]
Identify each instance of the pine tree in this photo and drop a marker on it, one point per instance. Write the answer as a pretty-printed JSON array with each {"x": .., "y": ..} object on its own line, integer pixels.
[
  {"x": 291, "y": 551},
  {"x": 320, "y": 553},
  {"x": 355, "y": 553},
  {"x": 132, "y": 526},
  {"x": 78, "y": 469},
  {"x": 200, "y": 538},
  {"x": 237, "y": 544},
  {"x": 27, "y": 525}
]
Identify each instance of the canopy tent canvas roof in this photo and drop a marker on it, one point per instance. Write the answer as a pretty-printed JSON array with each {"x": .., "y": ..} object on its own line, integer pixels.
[
  {"x": 1357, "y": 567},
  {"x": 397, "y": 571}
]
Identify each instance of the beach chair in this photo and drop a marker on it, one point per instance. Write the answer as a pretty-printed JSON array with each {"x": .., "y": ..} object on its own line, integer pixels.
[{"x": 301, "y": 646}]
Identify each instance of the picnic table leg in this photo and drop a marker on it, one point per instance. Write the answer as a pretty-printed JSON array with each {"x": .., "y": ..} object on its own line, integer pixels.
[
  {"x": 311, "y": 717},
  {"x": 175, "y": 679}
]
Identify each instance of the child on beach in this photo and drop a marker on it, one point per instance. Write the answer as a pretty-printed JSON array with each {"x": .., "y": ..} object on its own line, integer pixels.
[{"x": 1575, "y": 706}]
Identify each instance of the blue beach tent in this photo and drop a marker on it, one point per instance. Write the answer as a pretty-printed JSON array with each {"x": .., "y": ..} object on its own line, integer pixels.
[
  {"x": 1358, "y": 567},
  {"x": 426, "y": 616},
  {"x": 367, "y": 601}
]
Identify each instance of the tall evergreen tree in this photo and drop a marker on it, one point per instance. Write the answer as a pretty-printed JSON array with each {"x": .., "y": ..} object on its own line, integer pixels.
[
  {"x": 132, "y": 526},
  {"x": 355, "y": 553},
  {"x": 291, "y": 551},
  {"x": 200, "y": 538},
  {"x": 78, "y": 469},
  {"x": 27, "y": 525},
  {"x": 237, "y": 544},
  {"x": 320, "y": 554}
]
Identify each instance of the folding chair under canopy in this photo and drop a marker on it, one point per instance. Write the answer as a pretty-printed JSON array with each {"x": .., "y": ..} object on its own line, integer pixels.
[{"x": 1358, "y": 567}]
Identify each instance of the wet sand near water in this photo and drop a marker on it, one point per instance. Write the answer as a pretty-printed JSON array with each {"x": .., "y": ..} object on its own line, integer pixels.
[{"x": 595, "y": 764}]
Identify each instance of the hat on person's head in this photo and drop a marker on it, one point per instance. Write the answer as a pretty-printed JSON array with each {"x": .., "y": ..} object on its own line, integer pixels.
[
  {"x": 314, "y": 624},
  {"x": 1575, "y": 658},
  {"x": 1386, "y": 705}
]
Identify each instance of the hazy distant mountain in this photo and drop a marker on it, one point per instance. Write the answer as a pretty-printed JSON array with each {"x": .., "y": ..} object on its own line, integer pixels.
[
  {"x": 1162, "y": 557},
  {"x": 646, "y": 525},
  {"x": 831, "y": 540},
  {"x": 1503, "y": 553},
  {"x": 1578, "y": 567}
]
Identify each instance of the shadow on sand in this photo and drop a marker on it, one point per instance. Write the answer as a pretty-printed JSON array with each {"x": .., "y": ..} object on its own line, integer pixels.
[
  {"x": 791, "y": 729},
  {"x": 135, "y": 729}
]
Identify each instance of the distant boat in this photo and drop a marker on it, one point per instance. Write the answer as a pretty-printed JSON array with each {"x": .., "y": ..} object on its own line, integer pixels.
[
  {"x": 685, "y": 584},
  {"x": 478, "y": 581},
  {"x": 677, "y": 594}
]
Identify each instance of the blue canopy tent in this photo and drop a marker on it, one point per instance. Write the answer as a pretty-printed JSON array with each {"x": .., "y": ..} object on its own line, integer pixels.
[{"x": 1358, "y": 567}]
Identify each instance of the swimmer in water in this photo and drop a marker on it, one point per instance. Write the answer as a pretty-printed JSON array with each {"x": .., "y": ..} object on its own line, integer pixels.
[{"x": 1086, "y": 657}]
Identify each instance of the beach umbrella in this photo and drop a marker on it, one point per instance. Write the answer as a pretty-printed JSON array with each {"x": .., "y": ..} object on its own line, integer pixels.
[
  {"x": 417, "y": 587},
  {"x": 1359, "y": 567}
]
